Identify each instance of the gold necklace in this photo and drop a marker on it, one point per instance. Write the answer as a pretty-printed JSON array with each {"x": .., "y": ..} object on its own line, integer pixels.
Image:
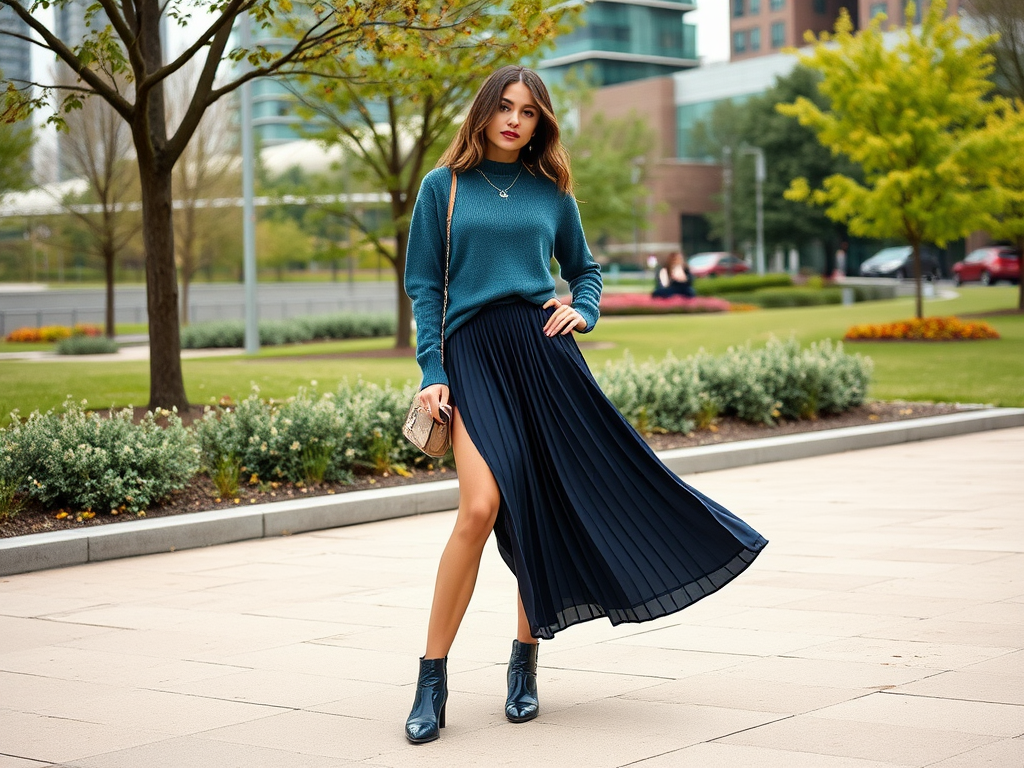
[{"x": 502, "y": 192}]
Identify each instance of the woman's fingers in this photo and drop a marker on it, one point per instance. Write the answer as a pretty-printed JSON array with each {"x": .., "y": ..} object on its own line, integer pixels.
[
  {"x": 562, "y": 321},
  {"x": 432, "y": 398}
]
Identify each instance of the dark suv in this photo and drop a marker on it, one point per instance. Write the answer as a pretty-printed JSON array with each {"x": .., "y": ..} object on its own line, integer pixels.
[{"x": 898, "y": 262}]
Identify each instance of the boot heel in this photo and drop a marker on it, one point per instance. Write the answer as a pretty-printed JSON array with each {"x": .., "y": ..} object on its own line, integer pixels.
[{"x": 440, "y": 719}]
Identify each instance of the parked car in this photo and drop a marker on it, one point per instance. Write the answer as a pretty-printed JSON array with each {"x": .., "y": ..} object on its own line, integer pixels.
[
  {"x": 898, "y": 262},
  {"x": 989, "y": 266},
  {"x": 714, "y": 263}
]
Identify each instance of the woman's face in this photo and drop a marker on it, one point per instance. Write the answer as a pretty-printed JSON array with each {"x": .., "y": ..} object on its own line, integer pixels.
[{"x": 512, "y": 125}]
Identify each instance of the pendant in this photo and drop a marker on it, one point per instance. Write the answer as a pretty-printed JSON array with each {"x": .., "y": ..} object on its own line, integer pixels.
[{"x": 502, "y": 193}]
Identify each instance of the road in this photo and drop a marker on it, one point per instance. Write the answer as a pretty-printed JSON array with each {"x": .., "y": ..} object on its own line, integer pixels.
[{"x": 218, "y": 301}]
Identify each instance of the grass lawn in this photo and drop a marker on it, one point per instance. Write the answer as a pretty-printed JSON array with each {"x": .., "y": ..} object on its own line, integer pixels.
[{"x": 979, "y": 371}]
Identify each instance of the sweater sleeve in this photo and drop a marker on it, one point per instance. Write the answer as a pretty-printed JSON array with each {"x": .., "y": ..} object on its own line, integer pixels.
[
  {"x": 424, "y": 274},
  {"x": 578, "y": 266}
]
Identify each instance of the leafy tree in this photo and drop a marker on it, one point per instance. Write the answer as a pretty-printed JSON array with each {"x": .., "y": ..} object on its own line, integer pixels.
[
  {"x": 281, "y": 242},
  {"x": 209, "y": 168},
  {"x": 1000, "y": 148},
  {"x": 130, "y": 46},
  {"x": 393, "y": 106},
  {"x": 611, "y": 163},
  {"x": 905, "y": 114},
  {"x": 1006, "y": 19},
  {"x": 97, "y": 148},
  {"x": 15, "y": 150},
  {"x": 791, "y": 151}
]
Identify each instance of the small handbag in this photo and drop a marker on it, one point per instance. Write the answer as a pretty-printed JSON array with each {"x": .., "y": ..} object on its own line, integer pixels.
[{"x": 434, "y": 437}]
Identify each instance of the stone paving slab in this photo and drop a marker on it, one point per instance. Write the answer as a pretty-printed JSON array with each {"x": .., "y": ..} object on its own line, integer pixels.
[{"x": 882, "y": 627}]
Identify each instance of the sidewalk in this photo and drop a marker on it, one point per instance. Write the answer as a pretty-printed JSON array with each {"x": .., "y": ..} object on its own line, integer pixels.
[{"x": 883, "y": 626}]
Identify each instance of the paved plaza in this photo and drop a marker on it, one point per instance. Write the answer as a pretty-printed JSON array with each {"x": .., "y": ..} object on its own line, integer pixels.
[{"x": 883, "y": 626}]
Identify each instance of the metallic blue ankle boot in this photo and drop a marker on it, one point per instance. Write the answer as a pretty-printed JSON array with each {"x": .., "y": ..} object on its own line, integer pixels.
[
  {"x": 521, "y": 704},
  {"x": 427, "y": 714}
]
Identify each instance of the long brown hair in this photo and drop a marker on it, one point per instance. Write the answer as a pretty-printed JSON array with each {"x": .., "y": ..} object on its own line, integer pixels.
[{"x": 544, "y": 154}]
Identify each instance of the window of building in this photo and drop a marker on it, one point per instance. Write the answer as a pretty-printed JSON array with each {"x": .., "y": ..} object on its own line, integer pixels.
[
  {"x": 821, "y": 6},
  {"x": 739, "y": 41},
  {"x": 877, "y": 8},
  {"x": 776, "y": 5},
  {"x": 755, "y": 39},
  {"x": 755, "y": 7},
  {"x": 737, "y": 7},
  {"x": 778, "y": 34}
]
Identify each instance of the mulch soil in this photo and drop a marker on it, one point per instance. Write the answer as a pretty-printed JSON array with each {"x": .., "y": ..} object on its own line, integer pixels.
[{"x": 200, "y": 495}]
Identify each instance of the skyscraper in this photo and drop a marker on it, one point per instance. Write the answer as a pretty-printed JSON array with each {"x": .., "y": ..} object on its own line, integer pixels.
[
  {"x": 15, "y": 54},
  {"x": 623, "y": 40}
]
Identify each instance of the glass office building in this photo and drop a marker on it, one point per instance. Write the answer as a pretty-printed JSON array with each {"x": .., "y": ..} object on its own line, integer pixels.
[{"x": 629, "y": 40}]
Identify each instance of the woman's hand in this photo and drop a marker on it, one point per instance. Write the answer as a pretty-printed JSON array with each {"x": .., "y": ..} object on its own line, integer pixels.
[
  {"x": 563, "y": 320},
  {"x": 432, "y": 398}
]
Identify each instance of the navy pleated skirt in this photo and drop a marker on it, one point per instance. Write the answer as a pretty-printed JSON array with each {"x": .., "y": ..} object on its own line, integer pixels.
[{"x": 591, "y": 522}]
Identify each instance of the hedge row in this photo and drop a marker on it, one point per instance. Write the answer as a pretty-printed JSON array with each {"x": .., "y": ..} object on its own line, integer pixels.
[
  {"x": 780, "y": 380},
  {"x": 80, "y": 460},
  {"x": 721, "y": 286},
  {"x": 231, "y": 333}
]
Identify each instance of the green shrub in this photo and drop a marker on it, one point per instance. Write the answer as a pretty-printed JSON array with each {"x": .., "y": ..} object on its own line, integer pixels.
[
  {"x": 83, "y": 460},
  {"x": 11, "y": 482},
  {"x": 721, "y": 286},
  {"x": 655, "y": 396},
  {"x": 231, "y": 333},
  {"x": 86, "y": 345},
  {"x": 376, "y": 415},
  {"x": 303, "y": 440},
  {"x": 774, "y": 298},
  {"x": 780, "y": 380}
]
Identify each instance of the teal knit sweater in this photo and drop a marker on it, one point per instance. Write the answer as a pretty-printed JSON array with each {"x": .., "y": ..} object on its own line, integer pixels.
[{"x": 501, "y": 248}]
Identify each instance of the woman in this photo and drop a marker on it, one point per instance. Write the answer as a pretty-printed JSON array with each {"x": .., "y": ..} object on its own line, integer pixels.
[
  {"x": 585, "y": 516},
  {"x": 674, "y": 279}
]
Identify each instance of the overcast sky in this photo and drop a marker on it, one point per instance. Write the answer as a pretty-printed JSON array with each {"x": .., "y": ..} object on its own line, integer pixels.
[{"x": 712, "y": 20}]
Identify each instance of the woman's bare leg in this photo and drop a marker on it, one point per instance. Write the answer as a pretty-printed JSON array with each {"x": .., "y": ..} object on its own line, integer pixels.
[
  {"x": 479, "y": 499},
  {"x": 523, "y": 631}
]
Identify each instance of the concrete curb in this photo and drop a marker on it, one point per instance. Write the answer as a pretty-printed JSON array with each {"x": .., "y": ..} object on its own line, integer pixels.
[{"x": 40, "y": 551}]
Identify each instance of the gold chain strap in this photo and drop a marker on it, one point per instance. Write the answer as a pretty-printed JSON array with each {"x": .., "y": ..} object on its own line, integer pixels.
[{"x": 447, "y": 260}]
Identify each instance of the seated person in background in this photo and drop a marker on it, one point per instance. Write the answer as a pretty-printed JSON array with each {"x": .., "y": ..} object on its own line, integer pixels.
[{"x": 674, "y": 278}]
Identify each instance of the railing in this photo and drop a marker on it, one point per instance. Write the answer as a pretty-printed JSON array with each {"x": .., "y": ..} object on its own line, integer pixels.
[{"x": 11, "y": 319}]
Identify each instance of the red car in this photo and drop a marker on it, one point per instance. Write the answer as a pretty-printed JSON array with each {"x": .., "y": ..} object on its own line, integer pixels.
[
  {"x": 716, "y": 263},
  {"x": 989, "y": 265}
]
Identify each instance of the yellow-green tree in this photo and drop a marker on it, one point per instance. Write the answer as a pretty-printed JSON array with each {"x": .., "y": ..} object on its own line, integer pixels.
[
  {"x": 906, "y": 113},
  {"x": 1000, "y": 148}
]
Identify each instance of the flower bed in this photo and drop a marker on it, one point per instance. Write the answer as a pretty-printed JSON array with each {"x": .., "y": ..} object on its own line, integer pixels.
[
  {"x": 50, "y": 333},
  {"x": 923, "y": 329}
]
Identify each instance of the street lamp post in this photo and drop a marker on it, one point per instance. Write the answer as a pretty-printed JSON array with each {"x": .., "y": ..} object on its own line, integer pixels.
[
  {"x": 252, "y": 330},
  {"x": 759, "y": 177},
  {"x": 727, "y": 185},
  {"x": 635, "y": 179}
]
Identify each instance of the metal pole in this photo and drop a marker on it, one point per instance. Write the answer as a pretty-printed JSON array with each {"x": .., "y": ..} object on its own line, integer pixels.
[
  {"x": 635, "y": 178},
  {"x": 252, "y": 331},
  {"x": 760, "y": 174},
  {"x": 727, "y": 184}
]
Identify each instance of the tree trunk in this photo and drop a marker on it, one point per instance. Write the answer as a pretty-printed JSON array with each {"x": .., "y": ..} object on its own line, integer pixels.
[
  {"x": 108, "y": 266},
  {"x": 918, "y": 296},
  {"x": 166, "y": 385},
  {"x": 403, "y": 334}
]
